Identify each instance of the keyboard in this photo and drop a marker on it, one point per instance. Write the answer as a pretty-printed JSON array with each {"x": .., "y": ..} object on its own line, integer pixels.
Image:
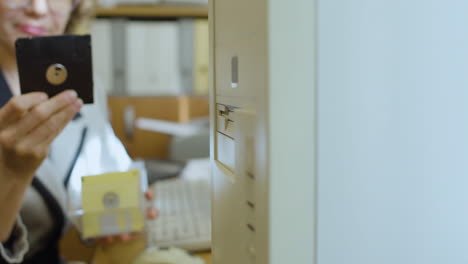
[{"x": 185, "y": 210}]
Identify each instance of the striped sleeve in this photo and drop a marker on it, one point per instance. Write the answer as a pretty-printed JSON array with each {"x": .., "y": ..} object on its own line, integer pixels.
[{"x": 15, "y": 248}]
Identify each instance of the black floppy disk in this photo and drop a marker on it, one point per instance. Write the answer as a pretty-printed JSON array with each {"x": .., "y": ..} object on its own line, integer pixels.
[{"x": 53, "y": 64}]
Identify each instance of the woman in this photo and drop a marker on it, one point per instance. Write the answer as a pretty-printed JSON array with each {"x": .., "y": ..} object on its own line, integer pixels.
[{"x": 45, "y": 143}]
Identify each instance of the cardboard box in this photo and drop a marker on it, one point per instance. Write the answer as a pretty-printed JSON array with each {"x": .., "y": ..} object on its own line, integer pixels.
[{"x": 146, "y": 144}]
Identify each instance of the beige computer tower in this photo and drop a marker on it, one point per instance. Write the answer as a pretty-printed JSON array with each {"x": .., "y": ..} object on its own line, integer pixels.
[
  {"x": 262, "y": 158},
  {"x": 345, "y": 127}
]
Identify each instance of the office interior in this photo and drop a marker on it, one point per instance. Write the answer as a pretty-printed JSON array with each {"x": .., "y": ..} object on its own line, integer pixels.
[
  {"x": 252, "y": 220},
  {"x": 152, "y": 61},
  {"x": 337, "y": 130}
]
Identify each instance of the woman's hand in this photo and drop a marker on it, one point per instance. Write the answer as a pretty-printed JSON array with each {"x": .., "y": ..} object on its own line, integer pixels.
[
  {"x": 151, "y": 213},
  {"x": 28, "y": 125}
]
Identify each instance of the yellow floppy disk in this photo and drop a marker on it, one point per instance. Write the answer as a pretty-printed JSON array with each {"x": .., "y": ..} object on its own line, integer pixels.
[{"x": 112, "y": 204}]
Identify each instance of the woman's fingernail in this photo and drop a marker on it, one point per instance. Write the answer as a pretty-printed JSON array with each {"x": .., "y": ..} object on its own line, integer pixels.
[
  {"x": 72, "y": 94},
  {"x": 43, "y": 96},
  {"x": 149, "y": 195},
  {"x": 152, "y": 213},
  {"x": 78, "y": 104}
]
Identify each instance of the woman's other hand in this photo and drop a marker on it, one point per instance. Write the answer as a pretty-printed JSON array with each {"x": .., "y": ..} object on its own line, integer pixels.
[
  {"x": 28, "y": 125},
  {"x": 151, "y": 213}
]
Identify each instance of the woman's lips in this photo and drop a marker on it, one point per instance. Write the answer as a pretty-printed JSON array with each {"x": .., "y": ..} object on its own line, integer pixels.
[{"x": 33, "y": 30}]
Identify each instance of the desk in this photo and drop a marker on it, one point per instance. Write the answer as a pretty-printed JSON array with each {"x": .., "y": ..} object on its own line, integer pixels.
[
  {"x": 205, "y": 256},
  {"x": 125, "y": 252}
]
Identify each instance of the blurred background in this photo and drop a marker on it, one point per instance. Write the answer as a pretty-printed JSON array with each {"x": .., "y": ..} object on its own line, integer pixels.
[{"x": 151, "y": 57}]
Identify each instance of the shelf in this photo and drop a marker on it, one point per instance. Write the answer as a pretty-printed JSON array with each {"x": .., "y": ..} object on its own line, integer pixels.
[{"x": 153, "y": 11}]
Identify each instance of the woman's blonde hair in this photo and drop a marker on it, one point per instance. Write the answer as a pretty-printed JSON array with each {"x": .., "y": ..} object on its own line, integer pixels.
[{"x": 81, "y": 17}]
